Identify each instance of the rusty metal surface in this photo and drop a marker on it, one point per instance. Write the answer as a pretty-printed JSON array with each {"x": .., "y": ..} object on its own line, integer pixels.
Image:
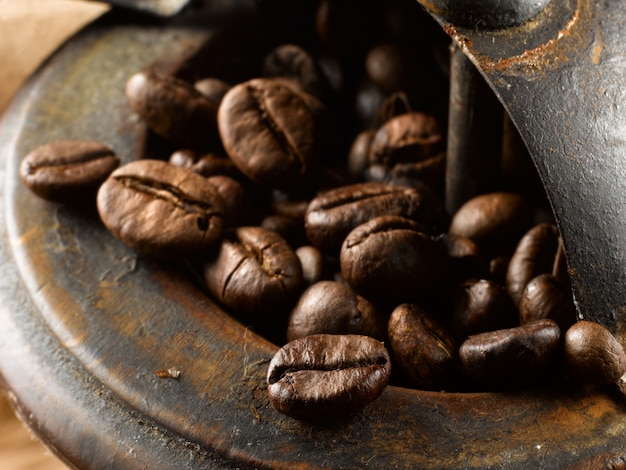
[
  {"x": 87, "y": 322},
  {"x": 561, "y": 76}
]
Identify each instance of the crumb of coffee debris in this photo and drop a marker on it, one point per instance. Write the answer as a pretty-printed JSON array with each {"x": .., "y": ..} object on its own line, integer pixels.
[{"x": 170, "y": 373}]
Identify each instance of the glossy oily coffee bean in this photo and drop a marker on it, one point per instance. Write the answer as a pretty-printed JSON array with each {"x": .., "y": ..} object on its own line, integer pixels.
[
  {"x": 67, "y": 170},
  {"x": 327, "y": 377},
  {"x": 237, "y": 204},
  {"x": 409, "y": 137},
  {"x": 545, "y": 296},
  {"x": 511, "y": 357},
  {"x": 592, "y": 354},
  {"x": 315, "y": 266},
  {"x": 173, "y": 109},
  {"x": 425, "y": 351},
  {"x": 392, "y": 260},
  {"x": 464, "y": 256},
  {"x": 213, "y": 89},
  {"x": 481, "y": 305},
  {"x": 254, "y": 272},
  {"x": 334, "y": 308},
  {"x": 206, "y": 164},
  {"x": 334, "y": 213},
  {"x": 269, "y": 128},
  {"x": 534, "y": 255},
  {"x": 160, "y": 209},
  {"x": 495, "y": 221}
]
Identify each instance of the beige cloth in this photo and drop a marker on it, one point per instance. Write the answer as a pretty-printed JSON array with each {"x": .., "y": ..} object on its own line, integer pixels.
[{"x": 29, "y": 31}]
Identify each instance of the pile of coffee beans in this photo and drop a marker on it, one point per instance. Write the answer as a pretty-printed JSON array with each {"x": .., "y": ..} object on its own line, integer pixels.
[{"x": 309, "y": 197}]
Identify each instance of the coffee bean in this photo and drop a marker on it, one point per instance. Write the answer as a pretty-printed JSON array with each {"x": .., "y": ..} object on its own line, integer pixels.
[
  {"x": 409, "y": 137},
  {"x": 425, "y": 351},
  {"x": 255, "y": 273},
  {"x": 545, "y": 296},
  {"x": 295, "y": 62},
  {"x": 464, "y": 256},
  {"x": 160, "y": 209},
  {"x": 391, "y": 259},
  {"x": 511, "y": 357},
  {"x": 315, "y": 268},
  {"x": 592, "y": 354},
  {"x": 173, "y": 109},
  {"x": 481, "y": 305},
  {"x": 269, "y": 128},
  {"x": 333, "y": 214},
  {"x": 495, "y": 221},
  {"x": 326, "y": 377},
  {"x": 206, "y": 164},
  {"x": 535, "y": 254},
  {"x": 213, "y": 89},
  {"x": 237, "y": 204},
  {"x": 334, "y": 308},
  {"x": 67, "y": 171}
]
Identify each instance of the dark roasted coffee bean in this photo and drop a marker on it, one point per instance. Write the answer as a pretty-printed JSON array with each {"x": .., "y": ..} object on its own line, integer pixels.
[
  {"x": 213, "y": 89},
  {"x": 592, "y": 354},
  {"x": 464, "y": 256},
  {"x": 207, "y": 164},
  {"x": 327, "y": 377},
  {"x": 271, "y": 131},
  {"x": 545, "y": 296},
  {"x": 238, "y": 207},
  {"x": 430, "y": 171},
  {"x": 393, "y": 67},
  {"x": 334, "y": 308},
  {"x": 173, "y": 109},
  {"x": 512, "y": 356},
  {"x": 425, "y": 351},
  {"x": 358, "y": 155},
  {"x": 67, "y": 170},
  {"x": 315, "y": 268},
  {"x": 535, "y": 254},
  {"x": 290, "y": 229},
  {"x": 334, "y": 213},
  {"x": 293, "y": 61},
  {"x": 409, "y": 137},
  {"x": 161, "y": 209},
  {"x": 368, "y": 102},
  {"x": 481, "y": 305},
  {"x": 495, "y": 221},
  {"x": 391, "y": 259},
  {"x": 255, "y": 272}
]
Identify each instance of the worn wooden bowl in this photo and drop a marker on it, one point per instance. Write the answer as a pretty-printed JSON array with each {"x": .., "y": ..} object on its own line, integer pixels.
[{"x": 86, "y": 323}]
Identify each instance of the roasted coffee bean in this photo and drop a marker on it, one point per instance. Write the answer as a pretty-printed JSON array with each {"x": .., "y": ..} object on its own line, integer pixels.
[
  {"x": 67, "y": 170},
  {"x": 481, "y": 305},
  {"x": 290, "y": 229},
  {"x": 314, "y": 265},
  {"x": 425, "y": 351},
  {"x": 334, "y": 308},
  {"x": 391, "y": 259},
  {"x": 293, "y": 61},
  {"x": 255, "y": 272},
  {"x": 160, "y": 209},
  {"x": 271, "y": 131},
  {"x": 495, "y": 221},
  {"x": 333, "y": 214},
  {"x": 464, "y": 256},
  {"x": 173, "y": 109},
  {"x": 545, "y": 296},
  {"x": 238, "y": 206},
  {"x": 207, "y": 164},
  {"x": 513, "y": 356},
  {"x": 213, "y": 89},
  {"x": 358, "y": 155},
  {"x": 535, "y": 254},
  {"x": 592, "y": 354},
  {"x": 409, "y": 137},
  {"x": 430, "y": 171},
  {"x": 327, "y": 377},
  {"x": 368, "y": 102},
  {"x": 393, "y": 67}
]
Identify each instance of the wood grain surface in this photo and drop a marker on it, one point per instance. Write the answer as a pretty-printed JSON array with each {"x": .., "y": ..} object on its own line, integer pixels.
[{"x": 29, "y": 31}]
